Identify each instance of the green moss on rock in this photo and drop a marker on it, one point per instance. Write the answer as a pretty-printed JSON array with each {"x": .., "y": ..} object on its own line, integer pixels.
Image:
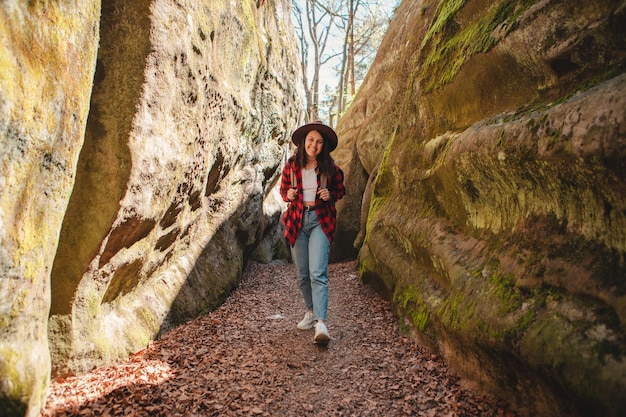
[{"x": 450, "y": 44}]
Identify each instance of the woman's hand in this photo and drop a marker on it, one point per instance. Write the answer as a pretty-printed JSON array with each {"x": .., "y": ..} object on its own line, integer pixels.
[
  {"x": 292, "y": 193},
  {"x": 323, "y": 194}
]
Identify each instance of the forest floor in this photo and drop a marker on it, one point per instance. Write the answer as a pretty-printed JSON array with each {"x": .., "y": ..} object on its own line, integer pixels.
[{"x": 248, "y": 359}]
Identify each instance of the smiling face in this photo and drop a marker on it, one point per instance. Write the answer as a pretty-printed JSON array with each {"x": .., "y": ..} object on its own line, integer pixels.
[{"x": 313, "y": 144}]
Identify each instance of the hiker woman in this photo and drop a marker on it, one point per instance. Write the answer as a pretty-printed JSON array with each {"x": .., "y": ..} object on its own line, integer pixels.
[{"x": 311, "y": 182}]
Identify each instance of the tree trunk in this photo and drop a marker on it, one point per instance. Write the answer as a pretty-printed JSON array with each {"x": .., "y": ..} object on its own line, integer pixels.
[
  {"x": 315, "y": 83},
  {"x": 351, "y": 48}
]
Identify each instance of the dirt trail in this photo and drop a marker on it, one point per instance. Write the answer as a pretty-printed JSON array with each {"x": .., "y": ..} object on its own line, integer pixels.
[{"x": 247, "y": 358}]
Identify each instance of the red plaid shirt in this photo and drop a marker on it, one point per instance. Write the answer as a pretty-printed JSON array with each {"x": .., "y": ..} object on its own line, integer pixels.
[{"x": 326, "y": 211}]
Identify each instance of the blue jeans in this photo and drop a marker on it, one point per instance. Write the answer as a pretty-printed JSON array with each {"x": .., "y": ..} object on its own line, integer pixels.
[{"x": 310, "y": 254}]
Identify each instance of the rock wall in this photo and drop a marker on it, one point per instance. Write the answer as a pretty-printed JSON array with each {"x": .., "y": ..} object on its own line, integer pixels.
[
  {"x": 486, "y": 154},
  {"x": 47, "y": 60},
  {"x": 133, "y": 212}
]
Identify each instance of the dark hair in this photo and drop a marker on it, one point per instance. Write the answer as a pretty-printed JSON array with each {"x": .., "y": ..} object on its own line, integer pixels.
[{"x": 325, "y": 163}]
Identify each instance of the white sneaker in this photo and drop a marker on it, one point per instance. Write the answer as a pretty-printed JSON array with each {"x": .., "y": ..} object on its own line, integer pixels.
[
  {"x": 307, "y": 322},
  {"x": 321, "y": 333}
]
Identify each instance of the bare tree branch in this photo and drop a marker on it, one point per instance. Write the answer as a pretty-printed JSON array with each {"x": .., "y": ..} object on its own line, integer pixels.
[{"x": 360, "y": 24}]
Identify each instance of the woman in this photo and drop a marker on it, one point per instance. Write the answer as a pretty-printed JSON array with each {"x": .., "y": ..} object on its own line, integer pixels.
[{"x": 311, "y": 183}]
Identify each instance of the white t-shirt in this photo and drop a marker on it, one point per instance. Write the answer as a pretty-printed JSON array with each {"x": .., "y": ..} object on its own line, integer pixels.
[{"x": 309, "y": 184}]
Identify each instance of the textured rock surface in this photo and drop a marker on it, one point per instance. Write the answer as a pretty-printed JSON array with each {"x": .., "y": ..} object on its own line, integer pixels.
[
  {"x": 488, "y": 148},
  {"x": 191, "y": 104},
  {"x": 46, "y": 71},
  {"x": 189, "y": 114}
]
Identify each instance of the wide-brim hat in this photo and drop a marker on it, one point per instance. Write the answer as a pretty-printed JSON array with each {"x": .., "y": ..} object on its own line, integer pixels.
[{"x": 327, "y": 133}]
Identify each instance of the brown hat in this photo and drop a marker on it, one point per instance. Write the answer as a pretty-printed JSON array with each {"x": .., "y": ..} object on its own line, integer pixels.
[{"x": 327, "y": 133}]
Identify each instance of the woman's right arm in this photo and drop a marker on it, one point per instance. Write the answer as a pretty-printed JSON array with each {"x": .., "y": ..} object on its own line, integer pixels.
[{"x": 285, "y": 182}]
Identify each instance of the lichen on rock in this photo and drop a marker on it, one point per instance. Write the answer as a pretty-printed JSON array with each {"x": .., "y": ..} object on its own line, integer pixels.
[
  {"x": 140, "y": 141},
  {"x": 494, "y": 216}
]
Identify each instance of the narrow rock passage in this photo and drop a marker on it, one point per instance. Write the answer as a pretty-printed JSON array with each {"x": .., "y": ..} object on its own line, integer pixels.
[{"x": 247, "y": 358}]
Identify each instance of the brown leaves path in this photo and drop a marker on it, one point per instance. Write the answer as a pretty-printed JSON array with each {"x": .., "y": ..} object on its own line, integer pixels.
[{"x": 248, "y": 359}]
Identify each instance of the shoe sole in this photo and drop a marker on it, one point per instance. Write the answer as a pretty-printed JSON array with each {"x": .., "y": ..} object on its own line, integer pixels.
[
  {"x": 321, "y": 339},
  {"x": 309, "y": 327}
]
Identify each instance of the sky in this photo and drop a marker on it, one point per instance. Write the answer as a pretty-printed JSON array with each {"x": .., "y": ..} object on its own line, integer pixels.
[{"x": 328, "y": 75}]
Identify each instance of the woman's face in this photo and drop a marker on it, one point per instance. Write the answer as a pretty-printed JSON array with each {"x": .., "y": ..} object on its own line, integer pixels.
[{"x": 313, "y": 143}]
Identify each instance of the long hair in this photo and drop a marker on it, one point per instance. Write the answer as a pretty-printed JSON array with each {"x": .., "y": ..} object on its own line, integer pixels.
[{"x": 325, "y": 163}]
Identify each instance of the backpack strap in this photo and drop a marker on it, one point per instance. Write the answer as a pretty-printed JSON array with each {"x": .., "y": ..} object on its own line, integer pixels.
[{"x": 293, "y": 179}]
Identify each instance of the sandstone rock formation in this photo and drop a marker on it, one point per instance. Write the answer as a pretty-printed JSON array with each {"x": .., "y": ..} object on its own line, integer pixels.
[
  {"x": 191, "y": 106},
  {"x": 47, "y": 59},
  {"x": 486, "y": 157}
]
